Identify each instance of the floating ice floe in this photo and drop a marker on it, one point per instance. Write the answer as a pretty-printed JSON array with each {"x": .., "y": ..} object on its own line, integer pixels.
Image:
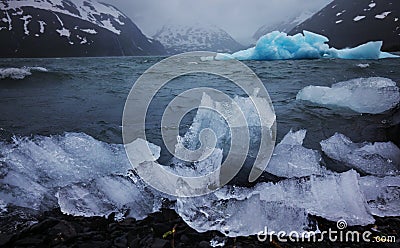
[
  {"x": 379, "y": 158},
  {"x": 279, "y": 46},
  {"x": 19, "y": 73},
  {"x": 292, "y": 159},
  {"x": 364, "y": 95}
]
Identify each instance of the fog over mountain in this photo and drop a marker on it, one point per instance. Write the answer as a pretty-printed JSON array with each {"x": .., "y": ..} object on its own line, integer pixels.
[{"x": 239, "y": 18}]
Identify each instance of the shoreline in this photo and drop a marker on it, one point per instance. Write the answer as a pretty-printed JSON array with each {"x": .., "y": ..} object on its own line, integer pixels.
[{"x": 162, "y": 229}]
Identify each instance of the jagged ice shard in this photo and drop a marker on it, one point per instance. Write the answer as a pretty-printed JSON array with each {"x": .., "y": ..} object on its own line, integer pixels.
[
  {"x": 292, "y": 159},
  {"x": 379, "y": 158},
  {"x": 334, "y": 197},
  {"x": 280, "y": 46}
]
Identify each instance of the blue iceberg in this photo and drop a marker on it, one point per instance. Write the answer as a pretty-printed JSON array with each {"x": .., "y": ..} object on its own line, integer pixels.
[{"x": 280, "y": 46}]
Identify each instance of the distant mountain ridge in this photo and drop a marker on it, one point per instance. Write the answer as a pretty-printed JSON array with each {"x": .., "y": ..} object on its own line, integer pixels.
[
  {"x": 283, "y": 26},
  {"x": 351, "y": 23},
  {"x": 197, "y": 37},
  {"x": 58, "y": 28}
]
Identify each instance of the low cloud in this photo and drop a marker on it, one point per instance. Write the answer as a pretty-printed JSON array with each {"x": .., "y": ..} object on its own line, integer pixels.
[{"x": 238, "y": 17}]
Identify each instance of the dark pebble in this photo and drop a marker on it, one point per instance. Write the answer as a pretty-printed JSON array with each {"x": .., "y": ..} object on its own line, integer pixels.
[
  {"x": 58, "y": 230},
  {"x": 121, "y": 241},
  {"x": 204, "y": 244},
  {"x": 160, "y": 243},
  {"x": 29, "y": 241}
]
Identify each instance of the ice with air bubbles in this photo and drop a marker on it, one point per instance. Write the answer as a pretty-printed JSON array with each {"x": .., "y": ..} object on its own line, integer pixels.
[
  {"x": 292, "y": 159},
  {"x": 379, "y": 158},
  {"x": 335, "y": 197}
]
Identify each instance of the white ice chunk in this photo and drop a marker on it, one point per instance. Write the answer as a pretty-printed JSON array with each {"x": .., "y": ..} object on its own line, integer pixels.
[
  {"x": 283, "y": 206},
  {"x": 379, "y": 158},
  {"x": 144, "y": 151},
  {"x": 105, "y": 195},
  {"x": 382, "y": 195},
  {"x": 364, "y": 95},
  {"x": 37, "y": 167},
  {"x": 339, "y": 21},
  {"x": 291, "y": 159},
  {"x": 208, "y": 117},
  {"x": 20, "y": 190}
]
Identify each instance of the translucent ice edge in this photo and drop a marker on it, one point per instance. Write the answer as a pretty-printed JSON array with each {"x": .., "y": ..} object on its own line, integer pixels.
[{"x": 379, "y": 158}]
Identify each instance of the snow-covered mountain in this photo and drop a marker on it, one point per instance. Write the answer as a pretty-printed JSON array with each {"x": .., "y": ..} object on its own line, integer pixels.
[
  {"x": 52, "y": 28},
  {"x": 351, "y": 23},
  {"x": 283, "y": 26},
  {"x": 198, "y": 37}
]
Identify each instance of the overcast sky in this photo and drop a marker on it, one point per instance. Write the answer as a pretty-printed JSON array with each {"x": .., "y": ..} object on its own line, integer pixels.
[{"x": 240, "y": 18}]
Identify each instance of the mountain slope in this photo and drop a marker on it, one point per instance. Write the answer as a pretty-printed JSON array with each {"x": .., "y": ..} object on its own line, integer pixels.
[
  {"x": 283, "y": 26},
  {"x": 58, "y": 28},
  {"x": 351, "y": 23},
  {"x": 185, "y": 38}
]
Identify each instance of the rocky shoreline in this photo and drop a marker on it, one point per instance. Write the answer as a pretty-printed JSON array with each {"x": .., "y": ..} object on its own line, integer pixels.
[{"x": 161, "y": 230}]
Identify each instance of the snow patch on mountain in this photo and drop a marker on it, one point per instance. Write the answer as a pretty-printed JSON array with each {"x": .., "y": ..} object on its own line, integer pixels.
[
  {"x": 358, "y": 18},
  {"x": 197, "y": 37},
  {"x": 27, "y": 20},
  {"x": 351, "y": 23},
  {"x": 58, "y": 28},
  {"x": 283, "y": 26},
  {"x": 383, "y": 15},
  {"x": 89, "y": 31},
  {"x": 87, "y": 10},
  {"x": 42, "y": 24}
]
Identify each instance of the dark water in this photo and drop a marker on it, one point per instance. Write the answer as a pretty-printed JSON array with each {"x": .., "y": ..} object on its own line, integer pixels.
[{"x": 88, "y": 95}]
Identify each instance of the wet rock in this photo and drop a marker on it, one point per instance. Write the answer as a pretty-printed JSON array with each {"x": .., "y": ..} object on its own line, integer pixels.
[
  {"x": 29, "y": 241},
  {"x": 160, "y": 243},
  {"x": 204, "y": 244},
  {"x": 121, "y": 241}
]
